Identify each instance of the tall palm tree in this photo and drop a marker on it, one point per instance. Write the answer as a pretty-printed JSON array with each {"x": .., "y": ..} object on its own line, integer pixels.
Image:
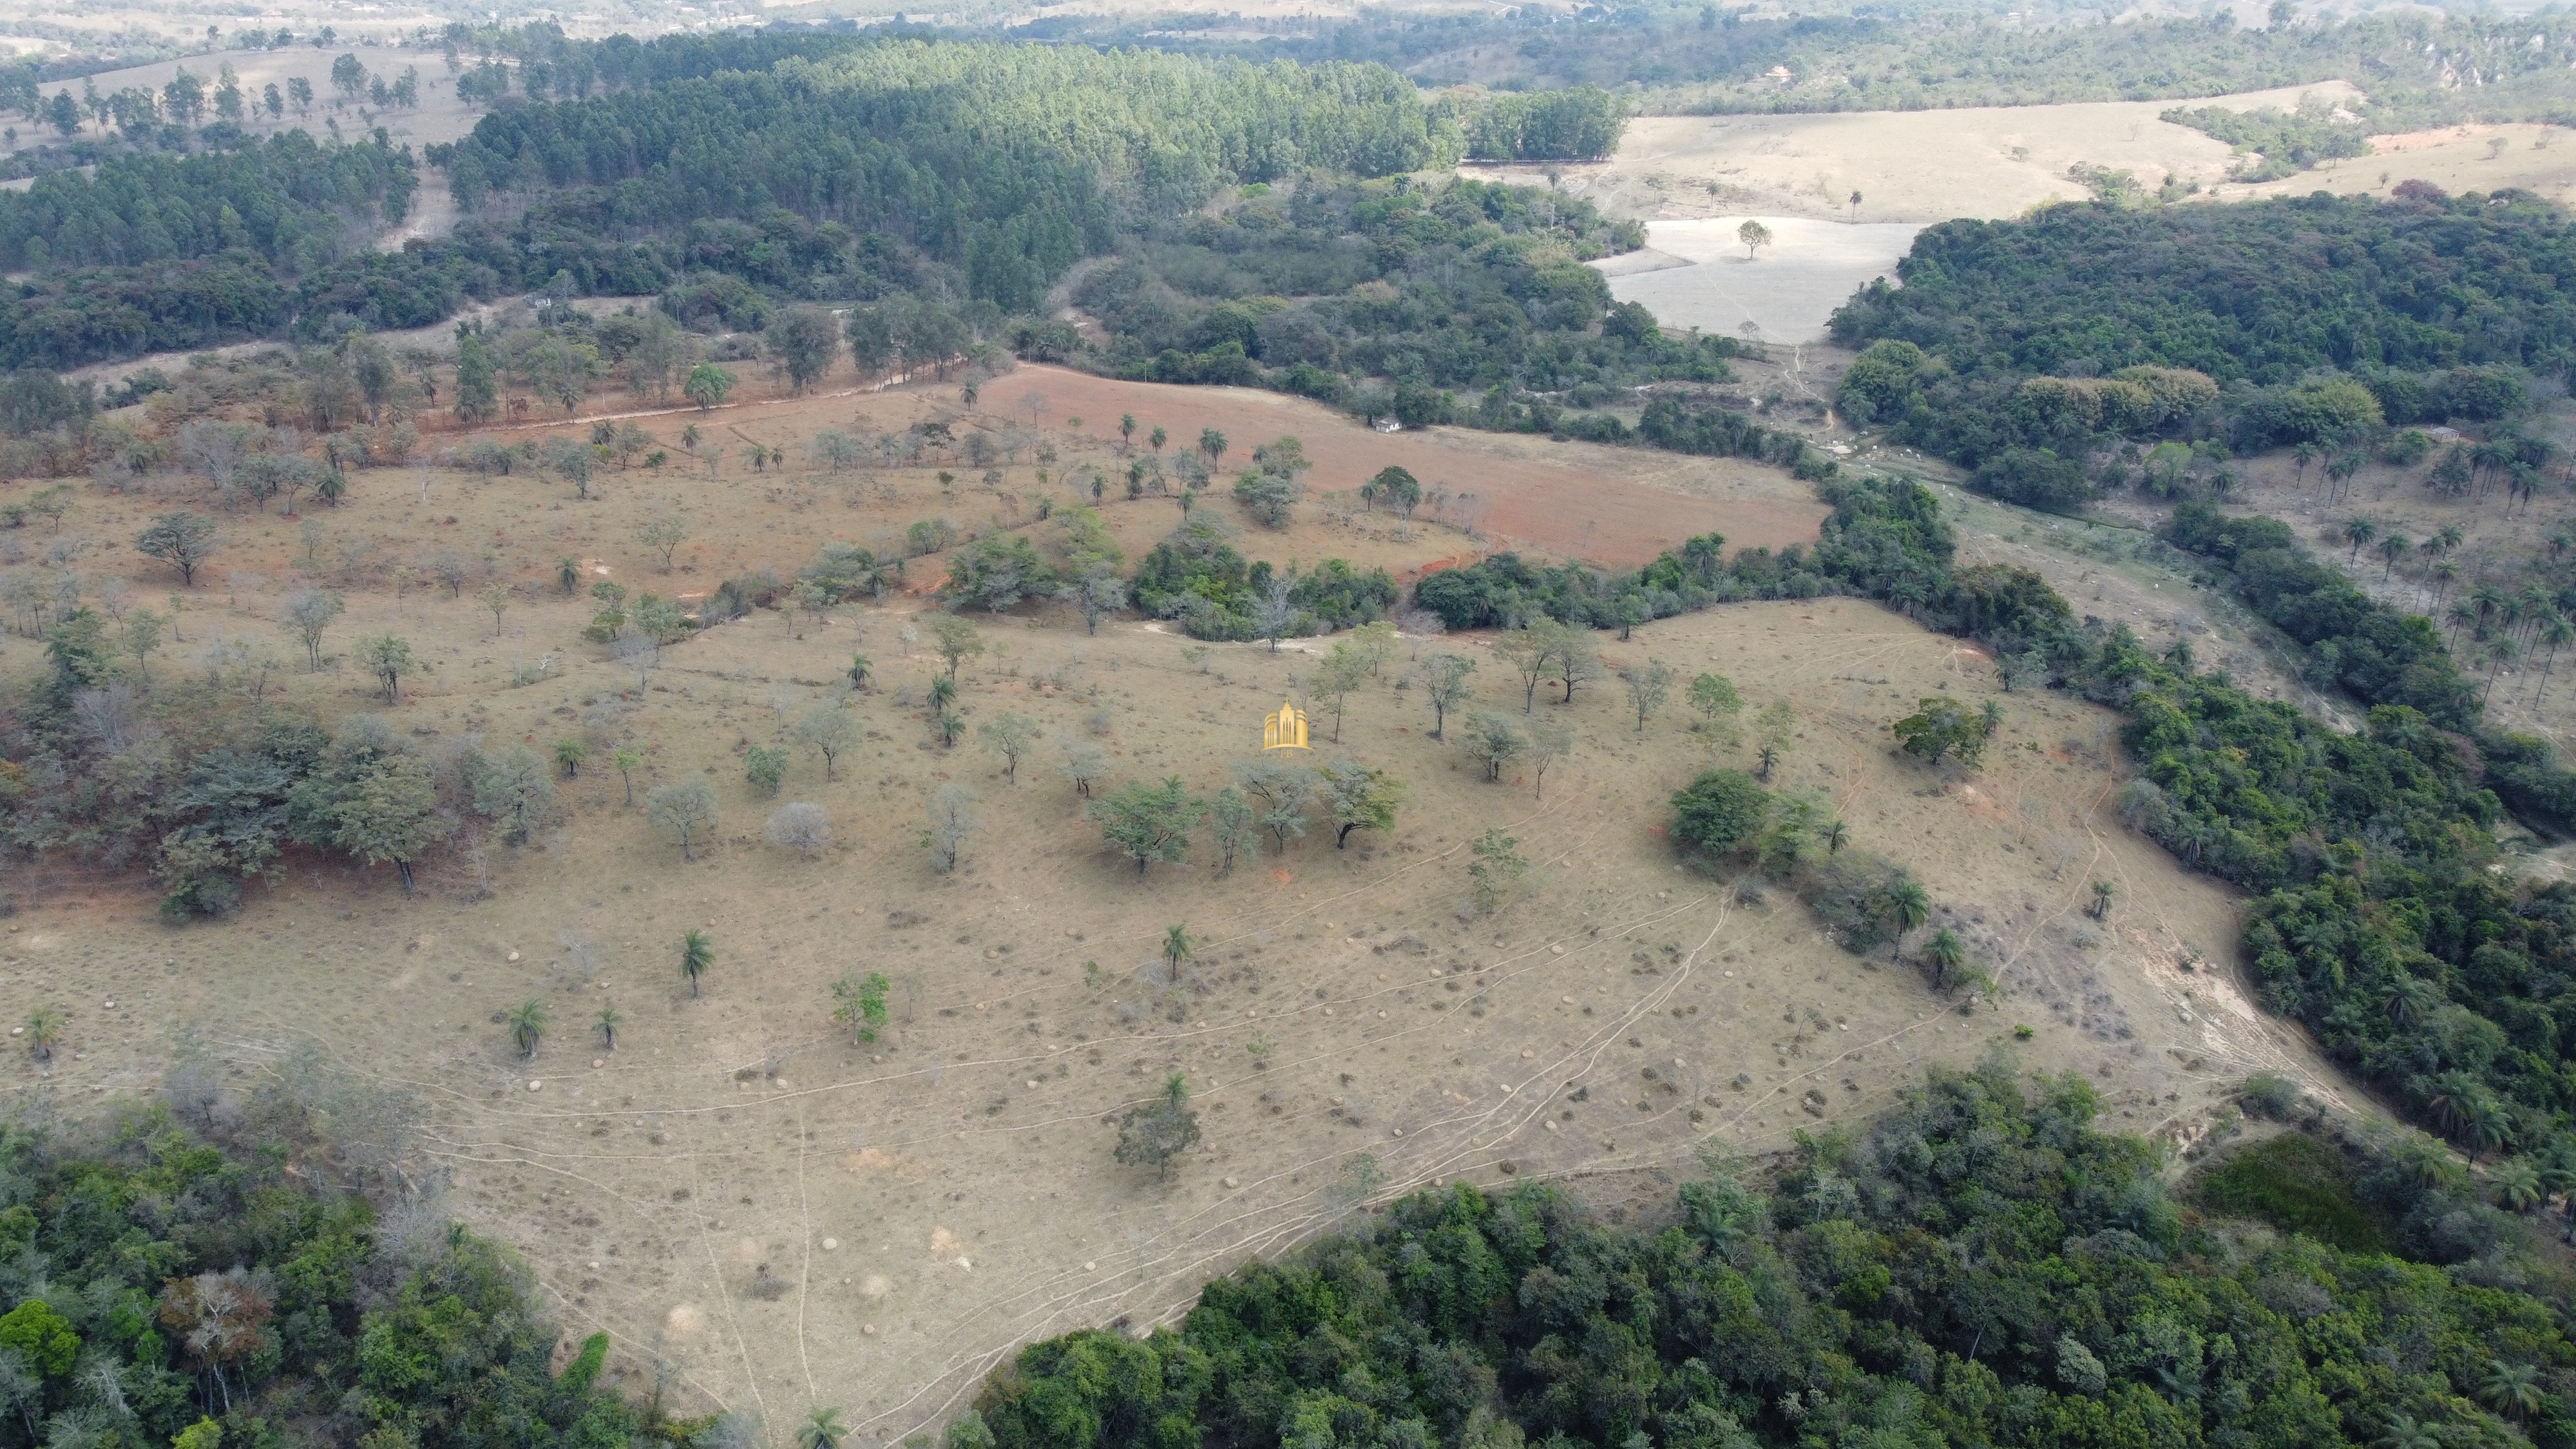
[
  {"x": 2306, "y": 453},
  {"x": 2392, "y": 548},
  {"x": 2408, "y": 1000},
  {"x": 1834, "y": 835},
  {"x": 2358, "y": 531},
  {"x": 2557, "y": 633},
  {"x": 2500, "y": 652},
  {"x": 823, "y": 1430},
  {"x": 2403, "y": 1432},
  {"x": 2101, "y": 907},
  {"x": 2488, "y": 599},
  {"x": 2517, "y": 1186},
  {"x": 2441, "y": 574},
  {"x": 528, "y": 1026},
  {"x": 1907, "y": 907},
  {"x": 2453, "y": 1103},
  {"x": 1947, "y": 954},
  {"x": 2461, "y": 616},
  {"x": 697, "y": 953},
  {"x": 2537, "y": 606},
  {"x": 2513, "y": 1389},
  {"x": 2490, "y": 1126},
  {"x": 1176, "y": 946}
]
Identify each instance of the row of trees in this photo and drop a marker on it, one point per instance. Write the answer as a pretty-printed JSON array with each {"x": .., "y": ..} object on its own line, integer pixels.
[
  {"x": 1152, "y": 822},
  {"x": 2378, "y": 922}
]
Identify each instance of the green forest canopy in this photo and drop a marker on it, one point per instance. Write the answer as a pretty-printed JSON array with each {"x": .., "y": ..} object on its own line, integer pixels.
[
  {"x": 1978, "y": 1266},
  {"x": 2418, "y": 69},
  {"x": 157, "y": 1275},
  {"x": 2267, "y": 298}
]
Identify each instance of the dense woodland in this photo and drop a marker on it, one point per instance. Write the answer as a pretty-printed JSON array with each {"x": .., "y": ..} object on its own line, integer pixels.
[
  {"x": 210, "y": 1272},
  {"x": 976, "y": 170},
  {"x": 2048, "y": 352},
  {"x": 1978, "y": 1266},
  {"x": 2418, "y": 69},
  {"x": 1460, "y": 301}
]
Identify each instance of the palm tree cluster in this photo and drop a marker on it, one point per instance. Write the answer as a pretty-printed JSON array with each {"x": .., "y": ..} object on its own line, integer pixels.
[{"x": 2504, "y": 625}]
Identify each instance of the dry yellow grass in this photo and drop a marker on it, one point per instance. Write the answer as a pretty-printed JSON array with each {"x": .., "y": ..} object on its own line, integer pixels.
[{"x": 784, "y": 1219}]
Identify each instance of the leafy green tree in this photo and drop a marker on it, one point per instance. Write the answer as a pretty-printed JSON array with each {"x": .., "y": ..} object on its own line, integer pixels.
[
  {"x": 1721, "y": 811},
  {"x": 1156, "y": 1133},
  {"x": 1713, "y": 698},
  {"x": 1494, "y": 741},
  {"x": 512, "y": 788},
  {"x": 1176, "y": 948},
  {"x": 862, "y": 1005},
  {"x": 1282, "y": 794},
  {"x": 1359, "y": 797},
  {"x": 1941, "y": 725},
  {"x": 43, "y": 1340},
  {"x": 1444, "y": 684},
  {"x": 1343, "y": 671},
  {"x": 664, "y": 535},
  {"x": 1395, "y": 487},
  {"x": 1495, "y": 866},
  {"x": 1648, "y": 686},
  {"x": 388, "y": 658},
  {"x": 1148, "y": 823},
  {"x": 307, "y": 614},
  {"x": 803, "y": 341},
  {"x": 955, "y": 641},
  {"x": 765, "y": 766},
  {"x": 181, "y": 539},
  {"x": 1234, "y": 826},
  {"x": 708, "y": 385},
  {"x": 478, "y": 382}
]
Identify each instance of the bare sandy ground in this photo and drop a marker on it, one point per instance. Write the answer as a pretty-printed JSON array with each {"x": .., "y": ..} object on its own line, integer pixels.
[
  {"x": 1609, "y": 505},
  {"x": 1784, "y": 292}
]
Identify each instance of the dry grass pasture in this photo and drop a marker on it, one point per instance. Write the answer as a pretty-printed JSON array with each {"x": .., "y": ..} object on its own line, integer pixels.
[
  {"x": 781, "y": 1218},
  {"x": 1919, "y": 166}
]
